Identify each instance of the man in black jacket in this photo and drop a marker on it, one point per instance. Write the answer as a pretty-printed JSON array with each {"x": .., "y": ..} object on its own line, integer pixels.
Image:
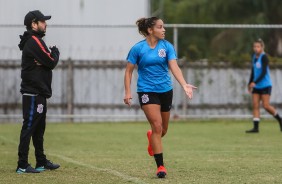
[{"x": 37, "y": 65}]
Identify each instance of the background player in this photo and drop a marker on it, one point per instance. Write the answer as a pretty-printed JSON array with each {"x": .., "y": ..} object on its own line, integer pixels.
[
  {"x": 154, "y": 57},
  {"x": 260, "y": 85}
]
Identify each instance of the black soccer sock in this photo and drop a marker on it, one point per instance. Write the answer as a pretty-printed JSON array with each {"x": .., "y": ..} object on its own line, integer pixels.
[
  {"x": 277, "y": 117},
  {"x": 256, "y": 123},
  {"x": 159, "y": 159}
]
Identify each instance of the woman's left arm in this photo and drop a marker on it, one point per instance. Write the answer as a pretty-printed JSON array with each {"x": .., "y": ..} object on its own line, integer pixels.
[{"x": 177, "y": 73}]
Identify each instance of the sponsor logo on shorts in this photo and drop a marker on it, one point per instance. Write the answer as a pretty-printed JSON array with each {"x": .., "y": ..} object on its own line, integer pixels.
[
  {"x": 162, "y": 53},
  {"x": 40, "y": 108},
  {"x": 145, "y": 98}
]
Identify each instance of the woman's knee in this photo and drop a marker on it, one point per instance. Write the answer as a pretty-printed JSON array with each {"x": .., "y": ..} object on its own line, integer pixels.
[
  {"x": 157, "y": 128},
  {"x": 266, "y": 106},
  {"x": 270, "y": 109},
  {"x": 256, "y": 105}
]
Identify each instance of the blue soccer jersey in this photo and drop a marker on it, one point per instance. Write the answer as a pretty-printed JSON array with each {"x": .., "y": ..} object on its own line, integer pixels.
[
  {"x": 257, "y": 68},
  {"x": 153, "y": 69}
]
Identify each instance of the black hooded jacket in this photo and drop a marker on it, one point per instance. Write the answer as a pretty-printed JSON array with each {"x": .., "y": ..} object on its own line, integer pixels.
[{"x": 37, "y": 64}]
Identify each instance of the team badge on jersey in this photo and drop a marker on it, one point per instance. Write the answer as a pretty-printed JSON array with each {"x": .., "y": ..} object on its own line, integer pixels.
[
  {"x": 258, "y": 65},
  {"x": 145, "y": 98},
  {"x": 40, "y": 108},
  {"x": 162, "y": 53}
]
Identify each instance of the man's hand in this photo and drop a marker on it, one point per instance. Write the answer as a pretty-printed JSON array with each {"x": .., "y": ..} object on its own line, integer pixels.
[{"x": 55, "y": 50}]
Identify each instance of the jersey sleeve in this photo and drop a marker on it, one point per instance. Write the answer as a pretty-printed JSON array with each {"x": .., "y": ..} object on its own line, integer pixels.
[
  {"x": 251, "y": 76},
  {"x": 171, "y": 53},
  {"x": 41, "y": 53},
  {"x": 132, "y": 56}
]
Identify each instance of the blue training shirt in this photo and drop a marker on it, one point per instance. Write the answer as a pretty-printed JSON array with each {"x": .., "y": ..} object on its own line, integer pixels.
[
  {"x": 153, "y": 69},
  {"x": 257, "y": 68}
]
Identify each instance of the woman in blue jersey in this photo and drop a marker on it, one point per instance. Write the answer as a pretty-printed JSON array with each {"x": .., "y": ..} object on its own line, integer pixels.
[
  {"x": 260, "y": 86},
  {"x": 154, "y": 57}
]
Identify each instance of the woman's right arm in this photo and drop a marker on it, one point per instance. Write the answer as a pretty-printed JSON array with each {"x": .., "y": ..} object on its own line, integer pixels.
[
  {"x": 251, "y": 77},
  {"x": 127, "y": 83},
  {"x": 251, "y": 83}
]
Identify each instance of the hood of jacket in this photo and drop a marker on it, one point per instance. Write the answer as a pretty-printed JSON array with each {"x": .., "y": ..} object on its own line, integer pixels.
[{"x": 28, "y": 34}]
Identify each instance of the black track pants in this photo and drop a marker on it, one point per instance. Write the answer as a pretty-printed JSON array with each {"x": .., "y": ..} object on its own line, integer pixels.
[{"x": 34, "y": 122}]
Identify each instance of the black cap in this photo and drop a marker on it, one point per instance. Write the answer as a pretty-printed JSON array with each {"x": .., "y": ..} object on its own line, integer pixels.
[{"x": 35, "y": 15}]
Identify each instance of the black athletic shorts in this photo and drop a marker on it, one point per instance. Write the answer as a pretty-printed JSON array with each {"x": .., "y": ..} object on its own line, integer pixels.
[
  {"x": 263, "y": 91},
  {"x": 162, "y": 99}
]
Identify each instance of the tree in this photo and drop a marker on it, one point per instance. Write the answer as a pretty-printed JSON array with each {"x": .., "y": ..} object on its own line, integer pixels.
[{"x": 230, "y": 42}]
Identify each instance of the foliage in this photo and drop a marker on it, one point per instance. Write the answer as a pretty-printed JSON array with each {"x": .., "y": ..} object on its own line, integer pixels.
[{"x": 230, "y": 43}]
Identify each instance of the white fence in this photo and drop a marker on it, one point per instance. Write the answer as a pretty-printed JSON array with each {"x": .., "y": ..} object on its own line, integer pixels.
[{"x": 93, "y": 91}]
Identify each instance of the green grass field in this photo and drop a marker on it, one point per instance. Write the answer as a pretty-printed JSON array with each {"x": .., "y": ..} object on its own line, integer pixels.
[{"x": 195, "y": 152}]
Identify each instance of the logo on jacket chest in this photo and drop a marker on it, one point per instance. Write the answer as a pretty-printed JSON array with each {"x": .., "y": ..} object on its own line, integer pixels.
[
  {"x": 258, "y": 65},
  {"x": 162, "y": 53}
]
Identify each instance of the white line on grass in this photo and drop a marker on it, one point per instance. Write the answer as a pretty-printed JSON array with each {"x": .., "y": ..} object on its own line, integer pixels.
[
  {"x": 114, "y": 172},
  {"x": 67, "y": 159}
]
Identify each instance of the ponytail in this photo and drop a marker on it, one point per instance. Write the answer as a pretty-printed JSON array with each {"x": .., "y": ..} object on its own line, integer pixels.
[{"x": 144, "y": 24}]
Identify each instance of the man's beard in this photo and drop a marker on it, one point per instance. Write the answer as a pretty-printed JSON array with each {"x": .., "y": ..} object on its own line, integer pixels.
[{"x": 41, "y": 31}]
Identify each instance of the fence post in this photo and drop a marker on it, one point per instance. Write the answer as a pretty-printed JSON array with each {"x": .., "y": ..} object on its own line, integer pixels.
[
  {"x": 184, "y": 70},
  {"x": 70, "y": 88},
  {"x": 175, "y": 38},
  {"x": 184, "y": 96},
  {"x": 175, "y": 44}
]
